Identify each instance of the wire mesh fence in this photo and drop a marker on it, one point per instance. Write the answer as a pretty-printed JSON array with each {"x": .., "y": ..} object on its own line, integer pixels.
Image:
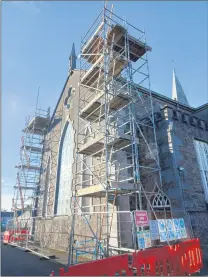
[{"x": 120, "y": 230}]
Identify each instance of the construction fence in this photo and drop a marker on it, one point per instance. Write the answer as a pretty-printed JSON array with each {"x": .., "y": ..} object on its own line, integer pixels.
[
  {"x": 181, "y": 259},
  {"x": 122, "y": 232}
]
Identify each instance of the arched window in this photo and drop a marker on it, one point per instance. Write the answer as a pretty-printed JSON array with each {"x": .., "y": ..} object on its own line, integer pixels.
[
  {"x": 161, "y": 201},
  {"x": 46, "y": 190},
  {"x": 64, "y": 171}
]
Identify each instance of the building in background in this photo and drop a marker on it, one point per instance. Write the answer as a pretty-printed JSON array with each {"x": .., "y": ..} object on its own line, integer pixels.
[{"x": 6, "y": 217}]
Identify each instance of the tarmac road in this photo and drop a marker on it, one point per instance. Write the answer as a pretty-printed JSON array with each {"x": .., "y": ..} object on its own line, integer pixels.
[{"x": 16, "y": 262}]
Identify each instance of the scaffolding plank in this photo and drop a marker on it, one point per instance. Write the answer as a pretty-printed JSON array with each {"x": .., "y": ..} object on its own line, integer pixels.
[
  {"x": 120, "y": 142},
  {"x": 94, "y": 145},
  {"x": 97, "y": 144},
  {"x": 92, "y": 111},
  {"x": 94, "y": 45},
  {"x": 91, "y": 77},
  {"x": 37, "y": 125},
  {"x": 25, "y": 187},
  {"x": 92, "y": 73},
  {"x": 30, "y": 167},
  {"x": 32, "y": 148},
  {"x": 119, "y": 101},
  {"x": 100, "y": 191},
  {"x": 94, "y": 190},
  {"x": 136, "y": 47}
]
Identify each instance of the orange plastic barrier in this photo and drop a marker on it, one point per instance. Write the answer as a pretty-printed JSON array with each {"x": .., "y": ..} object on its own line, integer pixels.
[
  {"x": 12, "y": 236},
  {"x": 6, "y": 237},
  {"x": 177, "y": 260}
]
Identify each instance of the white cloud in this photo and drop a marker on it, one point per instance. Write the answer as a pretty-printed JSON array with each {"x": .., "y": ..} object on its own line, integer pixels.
[{"x": 6, "y": 201}]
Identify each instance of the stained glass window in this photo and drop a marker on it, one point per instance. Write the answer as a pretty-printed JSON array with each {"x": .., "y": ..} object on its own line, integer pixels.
[
  {"x": 64, "y": 176},
  {"x": 202, "y": 155}
]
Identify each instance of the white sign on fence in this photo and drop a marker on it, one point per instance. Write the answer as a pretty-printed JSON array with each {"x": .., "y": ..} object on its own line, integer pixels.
[
  {"x": 144, "y": 239},
  {"x": 171, "y": 229},
  {"x": 162, "y": 229},
  {"x": 154, "y": 231}
]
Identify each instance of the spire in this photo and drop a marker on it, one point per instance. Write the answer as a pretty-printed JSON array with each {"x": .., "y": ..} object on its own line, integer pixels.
[
  {"x": 72, "y": 59},
  {"x": 177, "y": 90}
]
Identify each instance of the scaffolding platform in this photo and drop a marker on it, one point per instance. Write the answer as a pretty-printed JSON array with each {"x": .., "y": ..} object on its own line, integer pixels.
[
  {"x": 116, "y": 35},
  {"x": 32, "y": 183},
  {"x": 37, "y": 125},
  {"x": 136, "y": 47},
  {"x": 94, "y": 45},
  {"x": 96, "y": 73},
  {"x": 30, "y": 167},
  {"x": 97, "y": 144},
  {"x": 100, "y": 191},
  {"x": 92, "y": 110},
  {"x": 93, "y": 146},
  {"x": 32, "y": 148},
  {"x": 25, "y": 187}
]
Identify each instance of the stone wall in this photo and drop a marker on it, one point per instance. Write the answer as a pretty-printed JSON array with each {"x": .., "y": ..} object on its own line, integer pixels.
[
  {"x": 53, "y": 233},
  {"x": 184, "y": 187}
]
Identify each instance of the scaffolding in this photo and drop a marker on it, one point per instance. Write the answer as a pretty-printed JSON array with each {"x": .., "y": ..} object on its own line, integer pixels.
[
  {"x": 27, "y": 191},
  {"x": 117, "y": 156}
]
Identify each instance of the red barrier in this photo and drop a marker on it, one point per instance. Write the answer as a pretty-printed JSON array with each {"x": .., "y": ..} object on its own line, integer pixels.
[
  {"x": 191, "y": 256},
  {"x": 6, "y": 237},
  {"x": 177, "y": 260},
  {"x": 180, "y": 259},
  {"x": 158, "y": 261},
  {"x": 103, "y": 267},
  {"x": 12, "y": 236}
]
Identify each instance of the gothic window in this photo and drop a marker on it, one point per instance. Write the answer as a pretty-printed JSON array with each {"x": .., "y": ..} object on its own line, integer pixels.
[
  {"x": 202, "y": 155},
  {"x": 46, "y": 190},
  {"x": 64, "y": 172},
  {"x": 160, "y": 201}
]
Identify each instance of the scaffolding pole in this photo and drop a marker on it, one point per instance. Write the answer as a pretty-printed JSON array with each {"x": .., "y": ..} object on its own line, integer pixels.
[
  {"x": 116, "y": 140},
  {"x": 27, "y": 188}
]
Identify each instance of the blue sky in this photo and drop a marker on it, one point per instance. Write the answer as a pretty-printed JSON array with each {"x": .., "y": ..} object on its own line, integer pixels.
[{"x": 36, "y": 43}]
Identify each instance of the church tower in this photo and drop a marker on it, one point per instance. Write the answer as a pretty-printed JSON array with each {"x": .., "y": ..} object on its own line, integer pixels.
[
  {"x": 177, "y": 90},
  {"x": 72, "y": 59}
]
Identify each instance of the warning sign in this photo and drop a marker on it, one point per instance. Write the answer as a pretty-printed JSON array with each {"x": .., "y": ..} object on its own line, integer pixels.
[
  {"x": 144, "y": 239},
  {"x": 141, "y": 218}
]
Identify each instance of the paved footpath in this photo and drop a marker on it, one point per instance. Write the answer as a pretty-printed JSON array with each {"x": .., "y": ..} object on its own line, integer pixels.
[{"x": 16, "y": 262}]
